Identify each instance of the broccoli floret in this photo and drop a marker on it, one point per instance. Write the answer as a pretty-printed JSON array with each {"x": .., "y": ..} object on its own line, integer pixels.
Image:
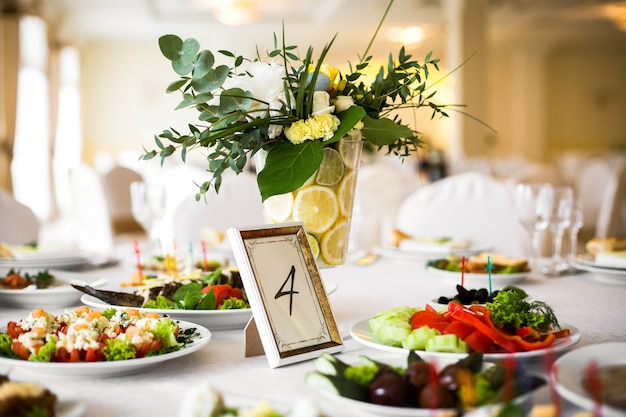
[
  {"x": 118, "y": 350},
  {"x": 164, "y": 332},
  {"x": 45, "y": 353},
  {"x": 233, "y": 304}
]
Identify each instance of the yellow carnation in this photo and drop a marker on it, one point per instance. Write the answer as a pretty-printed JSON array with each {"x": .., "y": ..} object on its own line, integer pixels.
[{"x": 299, "y": 131}]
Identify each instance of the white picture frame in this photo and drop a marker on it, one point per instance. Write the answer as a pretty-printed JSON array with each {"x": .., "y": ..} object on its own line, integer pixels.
[{"x": 287, "y": 296}]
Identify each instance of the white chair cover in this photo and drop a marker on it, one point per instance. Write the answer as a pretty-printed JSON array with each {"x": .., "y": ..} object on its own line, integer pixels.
[
  {"x": 90, "y": 215},
  {"x": 470, "y": 206},
  {"x": 381, "y": 188},
  {"x": 18, "y": 223},
  {"x": 238, "y": 204},
  {"x": 116, "y": 185},
  {"x": 612, "y": 216}
]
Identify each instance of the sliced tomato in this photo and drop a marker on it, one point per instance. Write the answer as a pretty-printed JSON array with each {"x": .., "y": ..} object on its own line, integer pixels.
[
  {"x": 62, "y": 355},
  {"x": 74, "y": 356},
  {"x": 148, "y": 347},
  {"x": 91, "y": 355},
  {"x": 426, "y": 318},
  {"x": 236, "y": 293},
  {"x": 222, "y": 292},
  {"x": 478, "y": 342},
  {"x": 459, "y": 328},
  {"x": 20, "y": 350},
  {"x": 14, "y": 330}
]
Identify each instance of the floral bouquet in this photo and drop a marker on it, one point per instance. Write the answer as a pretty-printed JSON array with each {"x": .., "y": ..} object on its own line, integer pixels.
[{"x": 290, "y": 107}]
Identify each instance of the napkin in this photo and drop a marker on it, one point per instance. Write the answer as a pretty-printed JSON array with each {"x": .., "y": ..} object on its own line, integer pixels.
[{"x": 616, "y": 259}]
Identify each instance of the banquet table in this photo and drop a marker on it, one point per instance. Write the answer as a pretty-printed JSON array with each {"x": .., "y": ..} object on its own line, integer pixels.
[{"x": 597, "y": 309}]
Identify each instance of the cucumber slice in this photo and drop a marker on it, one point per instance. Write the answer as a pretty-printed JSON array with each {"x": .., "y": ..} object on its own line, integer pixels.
[
  {"x": 446, "y": 343},
  {"x": 338, "y": 384},
  {"x": 417, "y": 339}
]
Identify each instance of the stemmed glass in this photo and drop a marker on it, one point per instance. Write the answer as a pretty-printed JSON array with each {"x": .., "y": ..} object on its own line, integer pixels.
[
  {"x": 148, "y": 207},
  {"x": 533, "y": 203},
  {"x": 575, "y": 226},
  {"x": 560, "y": 220}
]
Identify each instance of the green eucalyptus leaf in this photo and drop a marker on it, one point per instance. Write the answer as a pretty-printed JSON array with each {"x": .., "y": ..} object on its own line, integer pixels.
[
  {"x": 176, "y": 85},
  {"x": 181, "y": 68},
  {"x": 234, "y": 99},
  {"x": 292, "y": 164},
  {"x": 204, "y": 64},
  {"x": 210, "y": 114},
  {"x": 189, "y": 51},
  {"x": 212, "y": 80},
  {"x": 171, "y": 47},
  {"x": 384, "y": 131}
]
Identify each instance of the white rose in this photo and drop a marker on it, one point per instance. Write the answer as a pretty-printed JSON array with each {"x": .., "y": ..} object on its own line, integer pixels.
[
  {"x": 343, "y": 103},
  {"x": 321, "y": 103}
]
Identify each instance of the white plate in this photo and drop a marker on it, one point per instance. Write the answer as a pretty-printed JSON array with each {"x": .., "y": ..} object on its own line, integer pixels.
[
  {"x": 106, "y": 368},
  {"x": 589, "y": 260},
  {"x": 369, "y": 409},
  {"x": 421, "y": 255},
  {"x": 609, "y": 275},
  {"x": 47, "y": 258},
  {"x": 60, "y": 295},
  {"x": 213, "y": 319},
  {"x": 569, "y": 369},
  {"x": 361, "y": 333},
  {"x": 472, "y": 280}
]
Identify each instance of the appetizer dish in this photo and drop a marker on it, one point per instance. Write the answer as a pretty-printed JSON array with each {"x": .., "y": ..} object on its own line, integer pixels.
[
  {"x": 18, "y": 280},
  {"x": 420, "y": 386},
  {"x": 478, "y": 264},
  {"x": 509, "y": 323},
  {"x": 85, "y": 335},
  {"x": 216, "y": 290},
  {"x": 204, "y": 400}
]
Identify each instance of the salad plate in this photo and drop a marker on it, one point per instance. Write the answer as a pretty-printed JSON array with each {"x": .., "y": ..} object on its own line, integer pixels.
[
  {"x": 361, "y": 332},
  {"x": 59, "y": 294},
  {"x": 108, "y": 368},
  {"x": 213, "y": 319},
  {"x": 568, "y": 370},
  {"x": 602, "y": 274},
  {"x": 478, "y": 280}
]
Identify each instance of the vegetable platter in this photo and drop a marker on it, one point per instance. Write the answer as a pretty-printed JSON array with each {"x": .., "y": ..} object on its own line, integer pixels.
[{"x": 509, "y": 325}]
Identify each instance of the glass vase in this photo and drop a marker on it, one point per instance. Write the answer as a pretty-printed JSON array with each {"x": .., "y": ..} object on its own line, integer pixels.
[{"x": 323, "y": 203}]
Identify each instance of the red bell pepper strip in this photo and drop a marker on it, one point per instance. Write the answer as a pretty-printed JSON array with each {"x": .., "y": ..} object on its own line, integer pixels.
[{"x": 479, "y": 317}]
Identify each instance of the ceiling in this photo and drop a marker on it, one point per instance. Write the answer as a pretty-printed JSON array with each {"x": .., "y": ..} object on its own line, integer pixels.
[{"x": 105, "y": 19}]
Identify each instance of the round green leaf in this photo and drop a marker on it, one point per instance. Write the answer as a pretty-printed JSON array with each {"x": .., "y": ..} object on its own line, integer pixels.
[{"x": 171, "y": 46}]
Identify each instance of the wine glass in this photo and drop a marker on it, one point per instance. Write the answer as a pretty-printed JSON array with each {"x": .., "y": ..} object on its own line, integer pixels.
[
  {"x": 533, "y": 203},
  {"x": 148, "y": 207},
  {"x": 560, "y": 220},
  {"x": 575, "y": 226}
]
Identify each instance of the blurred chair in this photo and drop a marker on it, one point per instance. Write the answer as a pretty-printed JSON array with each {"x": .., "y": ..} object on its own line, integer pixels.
[
  {"x": 237, "y": 204},
  {"x": 90, "y": 215},
  {"x": 534, "y": 173},
  {"x": 18, "y": 223},
  {"x": 612, "y": 215},
  {"x": 470, "y": 206},
  {"x": 116, "y": 185},
  {"x": 381, "y": 187},
  {"x": 591, "y": 187}
]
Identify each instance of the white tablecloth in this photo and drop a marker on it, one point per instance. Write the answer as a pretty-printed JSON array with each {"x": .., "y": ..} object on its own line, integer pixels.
[{"x": 596, "y": 309}]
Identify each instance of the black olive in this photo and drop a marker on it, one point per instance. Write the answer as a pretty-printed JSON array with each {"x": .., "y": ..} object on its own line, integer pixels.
[
  {"x": 389, "y": 388},
  {"x": 418, "y": 374},
  {"x": 435, "y": 396},
  {"x": 443, "y": 300}
]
